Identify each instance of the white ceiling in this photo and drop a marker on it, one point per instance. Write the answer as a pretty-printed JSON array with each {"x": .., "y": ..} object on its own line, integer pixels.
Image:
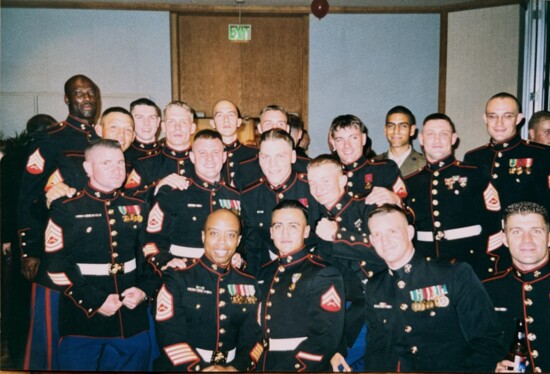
[{"x": 288, "y": 5}]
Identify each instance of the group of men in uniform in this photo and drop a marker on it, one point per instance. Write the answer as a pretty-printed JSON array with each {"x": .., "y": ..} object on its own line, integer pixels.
[{"x": 206, "y": 254}]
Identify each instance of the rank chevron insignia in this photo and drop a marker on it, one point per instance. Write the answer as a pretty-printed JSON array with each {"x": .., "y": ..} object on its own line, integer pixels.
[
  {"x": 492, "y": 200},
  {"x": 330, "y": 301},
  {"x": 53, "y": 237},
  {"x": 134, "y": 180},
  {"x": 156, "y": 217},
  {"x": 165, "y": 305},
  {"x": 35, "y": 163},
  {"x": 54, "y": 179},
  {"x": 399, "y": 188}
]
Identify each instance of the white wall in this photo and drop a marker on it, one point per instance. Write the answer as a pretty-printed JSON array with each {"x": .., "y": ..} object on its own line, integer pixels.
[
  {"x": 127, "y": 53},
  {"x": 364, "y": 64},
  {"x": 483, "y": 49}
]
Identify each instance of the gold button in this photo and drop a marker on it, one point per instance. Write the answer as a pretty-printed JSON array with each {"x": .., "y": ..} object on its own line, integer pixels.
[
  {"x": 435, "y": 203},
  {"x": 272, "y": 291},
  {"x": 538, "y": 370},
  {"x": 297, "y": 366},
  {"x": 401, "y": 284},
  {"x": 269, "y": 303},
  {"x": 535, "y": 353},
  {"x": 111, "y": 212},
  {"x": 220, "y": 344},
  {"x": 528, "y": 287},
  {"x": 222, "y": 304},
  {"x": 414, "y": 349},
  {"x": 88, "y": 229},
  {"x": 435, "y": 182},
  {"x": 528, "y": 302},
  {"x": 112, "y": 222},
  {"x": 268, "y": 317},
  {"x": 115, "y": 244},
  {"x": 436, "y": 213},
  {"x": 434, "y": 192},
  {"x": 437, "y": 224},
  {"x": 223, "y": 317},
  {"x": 115, "y": 255},
  {"x": 408, "y": 329},
  {"x": 198, "y": 306},
  {"x": 495, "y": 176},
  {"x": 529, "y": 319},
  {"x": 436, "y": 174},
  {"x": 432, "y": 313},
  {"x": 532, "y": 337},
  {"x": 114, "y": 233},
  {"x": 404, "y": 306},
  {"x": 222, "y": 331}
]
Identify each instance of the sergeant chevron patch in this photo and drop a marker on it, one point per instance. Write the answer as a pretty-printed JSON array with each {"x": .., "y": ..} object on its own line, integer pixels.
[{"x": 330, "y": 301}]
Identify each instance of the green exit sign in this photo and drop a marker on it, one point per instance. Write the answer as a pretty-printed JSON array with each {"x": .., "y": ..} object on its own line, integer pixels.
[{"x": 240, "y": 33}]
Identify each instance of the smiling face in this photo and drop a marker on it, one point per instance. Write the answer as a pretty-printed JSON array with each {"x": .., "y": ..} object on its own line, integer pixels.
[
  {"x": 437, "y": 139},
  {"x": 117, "y": 126},
  {"x": 221, "y": 236},
  {"x": 501, "y": 117},
  {"x": 208, "y": 157},
  {"x": 398, "y": 130},
  {"x": 288, "y": 230},
  {"x": 391, "y": 237},
  {"x": 348, "y": 143},
  {"x": 276, "y": 159},
  {"x": 327, "y": 183},
  {"x": 527, "y": 237},
  {"x": 147, "y": 123}
]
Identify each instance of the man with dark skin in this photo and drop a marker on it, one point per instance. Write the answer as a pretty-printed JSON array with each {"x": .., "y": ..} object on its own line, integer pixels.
[{"x": 71, "y": 136}]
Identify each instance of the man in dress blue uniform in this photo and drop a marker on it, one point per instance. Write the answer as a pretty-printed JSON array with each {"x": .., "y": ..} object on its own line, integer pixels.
[
  {"x": 424, "y": 316},
  {"x": 303, "y": 307},
  {"x": 206, "y": 315},
  {"x": 279, "y": 181},
  {"x": 519, "y": 169},
  {"x": 71, "y": 136},
  {"x": 348, "y": 136},
  {"x": 399, "y": 129},
  {"x": 147, "y": 117},
  {"x": 456, "y": 207},
  {"x": 171, "y": 164},
  {"x": 522, "y": 291},
  {"x": 271, "y": 117},
  {"x": 226, "y": 120},
  {"x": 92, "y": 245},
  {"x": 177, "y": 217}
]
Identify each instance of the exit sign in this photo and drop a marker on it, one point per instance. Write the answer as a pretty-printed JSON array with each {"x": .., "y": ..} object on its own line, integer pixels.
[{"x": 240, "y": 33}]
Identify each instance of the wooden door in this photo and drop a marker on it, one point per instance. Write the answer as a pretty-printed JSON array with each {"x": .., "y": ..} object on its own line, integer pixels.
[{"x": 270, "y": 69}]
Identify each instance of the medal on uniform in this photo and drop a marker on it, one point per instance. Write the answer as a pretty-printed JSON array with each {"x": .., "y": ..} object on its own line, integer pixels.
[
  {"x": 131, "y": 213},
  {"x": 429, "y": 298},
  {"x": 233, "y": 205},
  {"x": 449, "y": 182},
  {"x": 295, "y": 278},
  {"x": 513, "y": 164},
  {"x": 242, "y": 293},
  {"x": 463, "y": 181},
  {"x": 368, "y": 181}
]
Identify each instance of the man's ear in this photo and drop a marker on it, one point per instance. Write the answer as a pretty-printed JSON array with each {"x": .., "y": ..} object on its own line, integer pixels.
[
  {"x": 99, "y": 129},
  {"x": 88, "y": 168}
]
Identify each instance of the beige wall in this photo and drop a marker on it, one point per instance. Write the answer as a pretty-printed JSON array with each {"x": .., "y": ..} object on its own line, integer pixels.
[{"x": 482, "y": 60}]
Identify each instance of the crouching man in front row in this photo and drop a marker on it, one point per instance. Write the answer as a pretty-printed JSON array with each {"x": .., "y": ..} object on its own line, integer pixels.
[
  {"x": 302, "y": 298},
  {"x": 206, "y": 313}
]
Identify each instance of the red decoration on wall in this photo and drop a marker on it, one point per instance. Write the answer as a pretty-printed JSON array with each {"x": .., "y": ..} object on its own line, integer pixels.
[{"x": 319, "y": 8}]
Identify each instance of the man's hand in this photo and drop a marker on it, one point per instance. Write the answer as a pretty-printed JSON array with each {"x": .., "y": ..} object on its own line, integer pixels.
[
  {"x": 29, "y": 267},
  {"x": 6, "y": 249},
  {"x": 173, "y": 180},
  {"x": 326, "y": 229},
  {"x": 505, "y": 366},
  {"x": 381, "y": 195},
  {"x": 110, "y": 306},
  {"x": 132, "y": 297},
  {"x": 58, "y": 190},
  {"x": 338, "y": 360},
  {"x": 176, "y": 263},
  {"x": 237, "y": 261}
]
